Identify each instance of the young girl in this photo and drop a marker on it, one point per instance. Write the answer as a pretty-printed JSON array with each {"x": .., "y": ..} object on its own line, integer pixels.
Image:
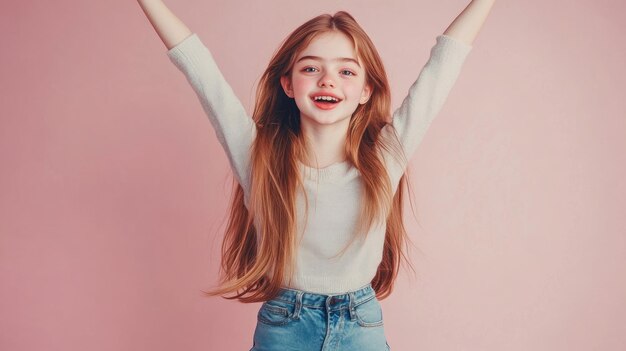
[{"x": 315, "y": 229}]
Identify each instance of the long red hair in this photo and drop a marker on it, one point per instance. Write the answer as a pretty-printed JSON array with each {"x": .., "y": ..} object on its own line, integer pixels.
[{"x": 260, "y": 240}]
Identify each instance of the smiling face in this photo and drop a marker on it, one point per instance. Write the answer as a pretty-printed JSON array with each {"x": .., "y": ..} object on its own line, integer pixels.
[{"x": 327, "y": 67}]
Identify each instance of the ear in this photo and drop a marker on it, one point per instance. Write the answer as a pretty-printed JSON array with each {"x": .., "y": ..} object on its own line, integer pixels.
[
  {"x": 285, "y": 81},
  {"x": 366, "y": 94}
]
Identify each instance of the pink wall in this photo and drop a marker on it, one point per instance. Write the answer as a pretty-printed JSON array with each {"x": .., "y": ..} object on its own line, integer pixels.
[{"x": 114, "y": 188}]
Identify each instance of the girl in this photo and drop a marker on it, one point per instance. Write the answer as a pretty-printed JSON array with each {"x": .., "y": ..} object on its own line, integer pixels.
[{"x": 315, "y": 230}]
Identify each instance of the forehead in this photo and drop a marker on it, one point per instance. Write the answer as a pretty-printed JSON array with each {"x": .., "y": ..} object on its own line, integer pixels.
[{"x": 329, "y": 46}]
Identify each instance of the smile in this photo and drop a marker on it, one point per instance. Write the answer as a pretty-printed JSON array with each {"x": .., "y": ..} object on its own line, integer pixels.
[{"x": 325, "y": 105}]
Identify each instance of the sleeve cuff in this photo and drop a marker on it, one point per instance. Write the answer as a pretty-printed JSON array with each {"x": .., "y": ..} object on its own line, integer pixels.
[
  {"x": 450, "y": 47},
  {"x": 189, "y": 43}
]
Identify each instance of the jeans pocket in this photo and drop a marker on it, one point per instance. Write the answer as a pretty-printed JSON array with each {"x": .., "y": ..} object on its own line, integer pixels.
[
  {"x": 369, "y": 313},
  {"x": 274, "y": 312}
]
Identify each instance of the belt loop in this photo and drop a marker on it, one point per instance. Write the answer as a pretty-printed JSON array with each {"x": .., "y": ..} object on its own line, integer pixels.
[
  {"x": 352, "y": 302},
  {"x": 296, "y": 311}
]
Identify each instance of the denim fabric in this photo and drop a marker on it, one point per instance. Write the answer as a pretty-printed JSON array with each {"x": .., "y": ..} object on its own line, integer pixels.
[{"x": 303, "y": 321}]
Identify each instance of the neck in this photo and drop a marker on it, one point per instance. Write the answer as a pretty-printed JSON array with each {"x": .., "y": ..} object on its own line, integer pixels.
[{"x": 326, "y": 143}]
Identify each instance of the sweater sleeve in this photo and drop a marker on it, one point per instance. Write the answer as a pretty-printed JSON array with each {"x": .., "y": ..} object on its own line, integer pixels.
[
  {"x": 429, "y": 92},
  {"x": 235, "y": 130}
]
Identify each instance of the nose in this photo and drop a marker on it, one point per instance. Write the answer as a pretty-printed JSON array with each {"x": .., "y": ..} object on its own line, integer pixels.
[{"x": 327, "y": 81}]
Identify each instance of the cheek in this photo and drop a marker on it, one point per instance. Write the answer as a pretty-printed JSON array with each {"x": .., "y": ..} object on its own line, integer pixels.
[
  {"x": 353, "y": 89},
  {"x": 302, "y": 85}
]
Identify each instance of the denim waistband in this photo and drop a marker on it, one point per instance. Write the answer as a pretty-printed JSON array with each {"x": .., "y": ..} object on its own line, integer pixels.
[{"x": 349, "y": 299}]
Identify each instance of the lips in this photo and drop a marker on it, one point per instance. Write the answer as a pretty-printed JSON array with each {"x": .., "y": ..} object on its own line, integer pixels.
[
  {"x": 325, "y": 94},
  {"x": 325, "y": 105}
]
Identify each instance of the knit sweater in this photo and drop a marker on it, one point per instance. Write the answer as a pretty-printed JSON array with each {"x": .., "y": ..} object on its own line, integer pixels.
[{"x": 333, "y": 192}]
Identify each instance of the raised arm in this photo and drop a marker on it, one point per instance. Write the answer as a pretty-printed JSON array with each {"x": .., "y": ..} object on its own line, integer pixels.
[
  {"x": 170, "y": 28},
  {"x": 429, "y": 92},
  {"x": 468, "y": 23},
  {"x": 234, "y": 129}
]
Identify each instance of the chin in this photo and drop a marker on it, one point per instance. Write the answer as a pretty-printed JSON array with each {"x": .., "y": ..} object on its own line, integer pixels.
[{"x": 326, "y": 121}]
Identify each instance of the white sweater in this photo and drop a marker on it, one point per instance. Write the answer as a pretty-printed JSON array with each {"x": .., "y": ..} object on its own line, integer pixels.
[{"x": 334, "y": 192}]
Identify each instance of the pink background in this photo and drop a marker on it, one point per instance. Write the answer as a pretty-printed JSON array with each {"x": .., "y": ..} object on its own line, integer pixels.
[{"x": 114, "y": 188}]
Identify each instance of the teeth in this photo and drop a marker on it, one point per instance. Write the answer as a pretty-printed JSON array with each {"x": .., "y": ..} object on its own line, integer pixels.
[{"x": 325, "y": 98}]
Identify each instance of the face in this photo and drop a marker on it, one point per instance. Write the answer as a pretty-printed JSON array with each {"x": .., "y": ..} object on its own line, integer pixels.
[{"x": 327, "y": 67}]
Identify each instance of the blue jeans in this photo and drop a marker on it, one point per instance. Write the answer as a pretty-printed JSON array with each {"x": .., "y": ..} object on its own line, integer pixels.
[{"x": 305, "y": 321}]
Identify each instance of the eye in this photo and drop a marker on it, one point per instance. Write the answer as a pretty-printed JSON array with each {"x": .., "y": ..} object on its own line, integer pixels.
[{"x": 345, "y": 71}]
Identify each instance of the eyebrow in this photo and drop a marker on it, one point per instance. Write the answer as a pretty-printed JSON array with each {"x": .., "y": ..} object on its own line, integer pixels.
[{"x": 341, "y": 59}]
